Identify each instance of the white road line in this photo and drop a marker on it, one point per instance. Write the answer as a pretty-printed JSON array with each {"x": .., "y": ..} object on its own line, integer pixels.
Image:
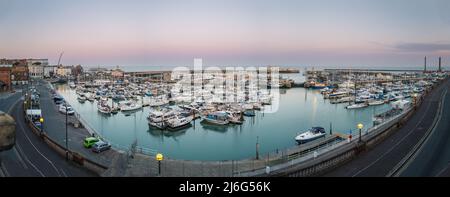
[
  {"x": 443, "y": 170},
  {"x": 395, "y": 145},
  {"x": 417, "y": 149},
  {"x": 29, "y": 161},
  {"x": 22, "y": 129},
  {"x": 20, "y": 158},
  {"x": 64, "y": 173},
  {"x": 3, "y": 170}
]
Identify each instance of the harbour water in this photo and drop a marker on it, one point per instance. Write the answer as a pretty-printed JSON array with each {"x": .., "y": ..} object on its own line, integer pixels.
[{"x": 299, "y": 110}]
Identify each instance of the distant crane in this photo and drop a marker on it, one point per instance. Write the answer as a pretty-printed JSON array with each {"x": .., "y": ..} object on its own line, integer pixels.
[{"x": 60, "y": 56}]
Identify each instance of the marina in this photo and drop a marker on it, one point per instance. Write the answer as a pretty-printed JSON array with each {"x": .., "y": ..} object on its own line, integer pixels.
[{"x": 187, "y": 132}]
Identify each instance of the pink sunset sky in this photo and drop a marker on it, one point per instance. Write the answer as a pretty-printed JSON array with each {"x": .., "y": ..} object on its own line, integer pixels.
[{"x": 172, "y": 33}]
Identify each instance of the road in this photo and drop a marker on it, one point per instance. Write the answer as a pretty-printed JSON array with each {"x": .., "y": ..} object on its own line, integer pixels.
[
  {"x": 31, "y": 157},
  {"x": 380, "y": 160},
  {"x": 433, "y": 158}
]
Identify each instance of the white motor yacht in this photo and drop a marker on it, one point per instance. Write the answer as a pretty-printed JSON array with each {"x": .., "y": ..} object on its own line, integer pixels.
[{"x": 310, "y": 135}]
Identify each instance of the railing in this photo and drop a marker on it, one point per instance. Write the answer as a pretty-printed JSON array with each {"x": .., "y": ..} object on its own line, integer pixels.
[{"x": 278, "y": 162}]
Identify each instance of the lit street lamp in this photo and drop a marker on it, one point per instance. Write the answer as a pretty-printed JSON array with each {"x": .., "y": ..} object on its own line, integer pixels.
[
  {"x": 159, "y": 158},
  {"x": 41, "y": 120},
  {"x": 415, "y": 99},
  {"x": 360, "y": 126}
]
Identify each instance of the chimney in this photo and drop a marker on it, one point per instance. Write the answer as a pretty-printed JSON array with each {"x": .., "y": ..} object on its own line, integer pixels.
[
  {"x": 440, "y": 64},
  {"x": 425, "y": 65}
]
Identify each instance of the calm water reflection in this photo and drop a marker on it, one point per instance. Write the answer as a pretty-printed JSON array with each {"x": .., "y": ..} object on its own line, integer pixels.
[{"x": 299, "y": 110}]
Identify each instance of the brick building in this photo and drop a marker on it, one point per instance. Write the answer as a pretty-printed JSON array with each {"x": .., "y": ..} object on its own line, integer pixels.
[
  {"x": 19, "y": 74},
  {"x": 5, "y": 78}
]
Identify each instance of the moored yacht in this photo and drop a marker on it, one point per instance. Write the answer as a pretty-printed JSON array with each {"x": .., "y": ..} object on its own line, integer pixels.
[
  {"x": 178, "y": 122},
  {"x": 218, "y": 117},
  {"x": 103, "y": 108},
  {"x": 376, "y": 102},
  {"x": 356, "y": 106},
  {"x": 310, "y": 135},
  {"x": 130, "y": 106},
  {"x": 81, "y": 98}
]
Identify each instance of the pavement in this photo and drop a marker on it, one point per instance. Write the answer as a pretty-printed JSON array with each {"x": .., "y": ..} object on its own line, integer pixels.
[
  {"x": 31, "y": 157},
  {"x": 433, "y": 158},
  {"x": 380, "y": 160},
  {"x": 55, "y": 127}
]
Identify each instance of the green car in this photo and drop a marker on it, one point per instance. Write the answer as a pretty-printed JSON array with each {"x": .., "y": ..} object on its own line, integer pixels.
[{"x": 90, "y": 141}]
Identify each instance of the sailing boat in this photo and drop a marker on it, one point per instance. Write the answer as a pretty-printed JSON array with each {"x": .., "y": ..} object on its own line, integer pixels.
[
  {"x": 114, "y": 110},
  {"x": 356, "y": 105}
]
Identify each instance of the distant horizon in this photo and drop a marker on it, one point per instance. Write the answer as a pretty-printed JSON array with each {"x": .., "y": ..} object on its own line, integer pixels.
[{"x": 300, "y": 67}]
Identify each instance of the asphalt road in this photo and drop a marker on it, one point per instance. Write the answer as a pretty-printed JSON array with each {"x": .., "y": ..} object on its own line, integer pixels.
[
  {"x": 433, "y": 158},
  {"x": 31, "y": 157},
  {"x": 380, "y": 160}
]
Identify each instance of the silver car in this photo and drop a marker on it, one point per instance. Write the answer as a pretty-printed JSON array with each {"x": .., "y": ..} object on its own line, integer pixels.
[{"x": 101, "y": 146}]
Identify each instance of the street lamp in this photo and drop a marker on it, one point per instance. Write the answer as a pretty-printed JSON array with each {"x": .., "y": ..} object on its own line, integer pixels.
[
  {"x": 415, "y": 99},
  {"x": 159, "y": 158},
  {"x": 41, "y": 120},
  {"x": 67, "y": 141},
  {"x": 360, "y": 126}
]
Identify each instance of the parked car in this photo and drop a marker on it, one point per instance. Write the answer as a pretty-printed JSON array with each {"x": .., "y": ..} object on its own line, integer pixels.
[
  {"x": 101, "y": 146},
  {"x": 63, "y": 108},
  {"x": 58, "y": 99},
  {"x": 90, "y": 141}
]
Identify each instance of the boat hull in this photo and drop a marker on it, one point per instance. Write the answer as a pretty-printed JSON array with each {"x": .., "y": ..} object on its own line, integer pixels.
[
  {"x": 302, "y": 141},
  {"x": 216, "y": 122}
]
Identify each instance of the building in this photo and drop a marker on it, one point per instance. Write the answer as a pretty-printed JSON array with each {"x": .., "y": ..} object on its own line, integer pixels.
[
  {"x": 117, "y": 73},
  {"x": 77, "y": 70},
  {"x": 50, "y": 71},
  {"x": 5, "y": 78},
  {"x": 36, "y": 67},
  {"x": 156, "y": 76},
  {"x": 64, "y": 71},
  {"x": 19, "y": 74}
]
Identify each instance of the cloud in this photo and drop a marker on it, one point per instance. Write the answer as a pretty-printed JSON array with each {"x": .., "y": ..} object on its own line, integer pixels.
[{"x": 422, "y": 47}]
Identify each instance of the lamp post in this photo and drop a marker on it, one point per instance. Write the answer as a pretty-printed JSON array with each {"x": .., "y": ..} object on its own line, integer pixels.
[
  {"x": 415, "y": 99},
  {"x": 159, "y": 158},
  {"x": 257, "y": 147},
  {"x": 41, "y": 120},
  {"x": 67, "y": 141},
  {"x": 360, "y": 126}
]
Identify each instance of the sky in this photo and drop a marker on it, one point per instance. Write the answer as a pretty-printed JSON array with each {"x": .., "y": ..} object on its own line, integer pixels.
[{"x": 227, "y": 32}]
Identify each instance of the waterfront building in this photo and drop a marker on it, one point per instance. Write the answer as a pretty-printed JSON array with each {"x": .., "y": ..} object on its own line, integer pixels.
[
  {"x": 5, "y": 78},
  {"x": 36, "y": 67},
  {"x": 77, "y": 70},
  {"x": 157, "y": 76},
  {"x": 19, "y": 74},
  {"x": 50, "y": 71},
  {"x": 117, "y": 73},
  {"x": 64, "y": 71}
]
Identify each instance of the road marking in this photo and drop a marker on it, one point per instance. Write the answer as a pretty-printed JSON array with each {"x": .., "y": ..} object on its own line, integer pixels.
[
  {"x": 29, "y": 161},
  {"x": 20, "y": 158},
  {"x": 417, "y": 149},
  {"x": 443, "y": 170},
  {"x": 64, "y": 173},
  {"x": 396, "y": 144},
  {"x": 51, "y": 163},
  {"x": 3, "y": 170}
]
